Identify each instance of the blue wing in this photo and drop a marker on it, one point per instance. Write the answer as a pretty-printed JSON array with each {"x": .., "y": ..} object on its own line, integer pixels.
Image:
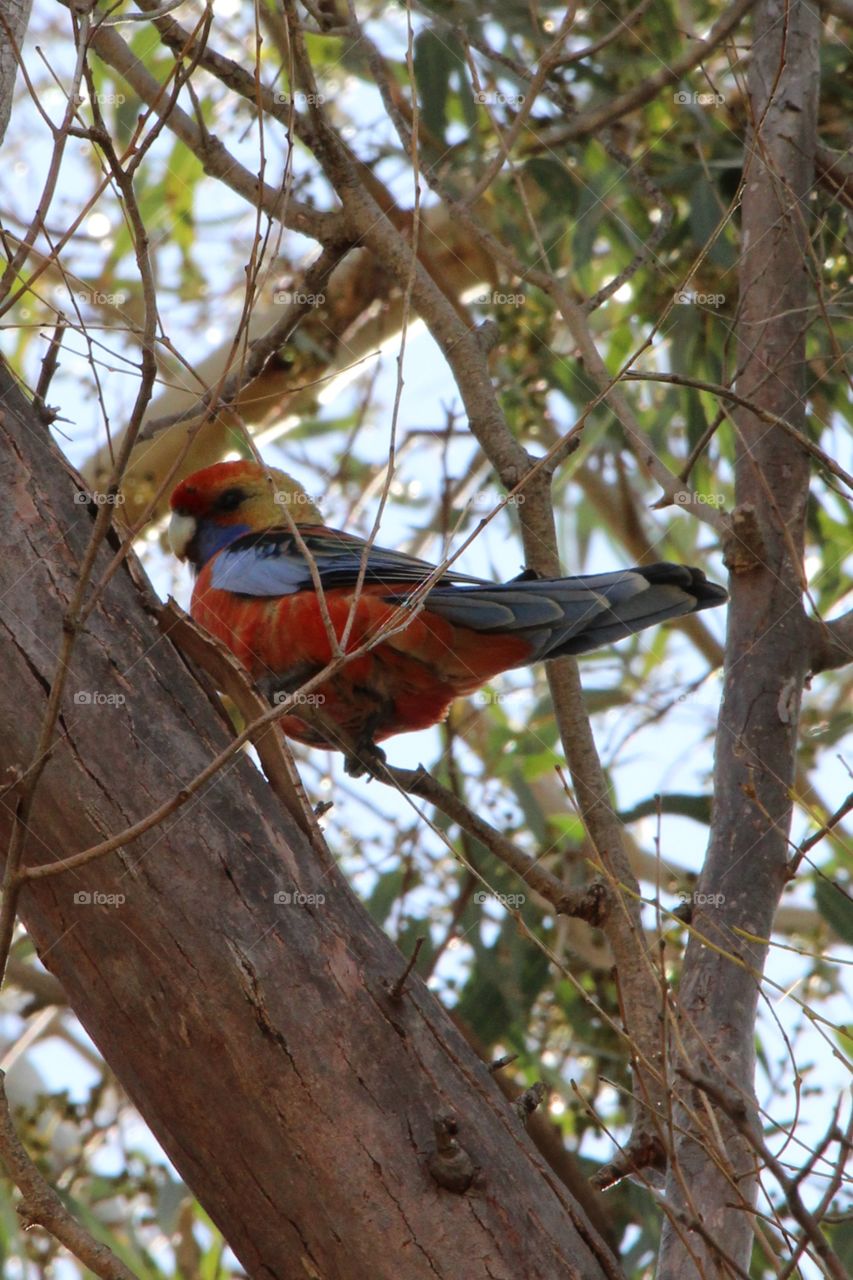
[
  {"x": 272, "y": 564},
  {"x": 557, "y": 616}
]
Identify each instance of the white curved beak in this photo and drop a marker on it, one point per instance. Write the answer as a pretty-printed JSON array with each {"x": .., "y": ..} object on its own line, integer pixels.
[{"x": 181, "y": 533}]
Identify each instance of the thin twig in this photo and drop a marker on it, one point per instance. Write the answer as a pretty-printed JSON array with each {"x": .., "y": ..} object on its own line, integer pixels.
[
  {"x": 764, "y": 415},
  {"x": 816, "y": 836},
  {"x": 740, "y": 1116},
  {"x": 396, "y": 992}
]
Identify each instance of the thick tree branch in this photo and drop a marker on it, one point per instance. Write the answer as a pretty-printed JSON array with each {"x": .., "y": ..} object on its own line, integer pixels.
[
  {"x": 14, "y": 20},
  {"x": 767, "y": 651},
  {"x": 222, "y": 941}
]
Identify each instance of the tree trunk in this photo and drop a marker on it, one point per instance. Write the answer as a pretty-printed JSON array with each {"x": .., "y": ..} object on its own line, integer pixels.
[
  {"x": 257, "y": 1038},
  {"x": 766, "y": 661},
  {"x": 14, "y": 20}
]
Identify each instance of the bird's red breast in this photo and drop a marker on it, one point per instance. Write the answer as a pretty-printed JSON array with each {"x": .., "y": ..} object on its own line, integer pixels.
[
  {"x": 406, "y": 682},
  {"x": 267, "y": 566}
]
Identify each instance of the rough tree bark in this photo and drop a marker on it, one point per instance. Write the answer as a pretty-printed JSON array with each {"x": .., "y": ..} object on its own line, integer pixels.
[
  {"x": 258, "y": 1040},
  {"x": 766, "y": 658},
  {"x": 14, "y": 20}
]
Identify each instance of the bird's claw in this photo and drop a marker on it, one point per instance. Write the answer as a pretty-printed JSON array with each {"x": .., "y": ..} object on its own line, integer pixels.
[{"x": 367, "y": 758}]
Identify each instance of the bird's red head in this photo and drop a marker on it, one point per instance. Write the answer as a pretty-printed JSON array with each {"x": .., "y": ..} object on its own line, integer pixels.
[{"x": 222, "y": 502}]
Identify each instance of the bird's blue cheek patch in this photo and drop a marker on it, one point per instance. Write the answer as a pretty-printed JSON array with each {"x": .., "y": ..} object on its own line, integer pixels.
[{"x": 212, "y": 537}]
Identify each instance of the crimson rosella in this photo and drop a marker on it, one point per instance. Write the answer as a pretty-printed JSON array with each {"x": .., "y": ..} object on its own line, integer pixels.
[{"x": 259, "y": 594}]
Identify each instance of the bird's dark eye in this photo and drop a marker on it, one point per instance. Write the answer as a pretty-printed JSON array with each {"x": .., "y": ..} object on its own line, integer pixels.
[{"x": 230, "y": 500}]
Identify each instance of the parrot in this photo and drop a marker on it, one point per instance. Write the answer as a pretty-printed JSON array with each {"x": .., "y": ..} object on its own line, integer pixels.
[{"x": 271, "y": 580}]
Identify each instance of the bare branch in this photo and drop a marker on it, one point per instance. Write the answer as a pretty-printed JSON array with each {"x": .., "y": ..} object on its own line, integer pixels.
[
  {"x": 735, "y": 1109},
  {"x": 588, "y": 903},
  {"x": 41, "y": 1205},
  {"x": 596, "y": 118},
  {"x": 832, "y": 643},
  {"x": 215, "y": 159}
]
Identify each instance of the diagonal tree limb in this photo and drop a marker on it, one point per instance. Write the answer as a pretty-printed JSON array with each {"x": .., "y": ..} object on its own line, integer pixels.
[{"x": 767, "y": 647}]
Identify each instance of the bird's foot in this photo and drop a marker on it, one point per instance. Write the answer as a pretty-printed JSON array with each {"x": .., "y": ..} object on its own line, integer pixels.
[{"x": 366, "y": 758}]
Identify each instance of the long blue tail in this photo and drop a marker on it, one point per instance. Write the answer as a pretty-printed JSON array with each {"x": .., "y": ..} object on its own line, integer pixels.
[{"x": 576, "y": 615}]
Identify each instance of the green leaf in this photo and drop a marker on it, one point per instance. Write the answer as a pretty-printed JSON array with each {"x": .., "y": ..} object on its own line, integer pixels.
[
  {"x": 435, "y": 61},
  {"x": 556, "y": 181},
  {"x": 680, "y": 804},
  {"x": 387, "y": 890},
  {"x": 841, "y": 1238},
  {"x": 835, "y": 904},
  {"x": 503, "y": 985}
]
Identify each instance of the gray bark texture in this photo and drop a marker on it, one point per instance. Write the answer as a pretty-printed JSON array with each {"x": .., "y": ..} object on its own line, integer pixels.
[
  {"x": 767, "y": 655},
  {"x": 257, "y": 1038},
  {"x": 14, "y": 20}
]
